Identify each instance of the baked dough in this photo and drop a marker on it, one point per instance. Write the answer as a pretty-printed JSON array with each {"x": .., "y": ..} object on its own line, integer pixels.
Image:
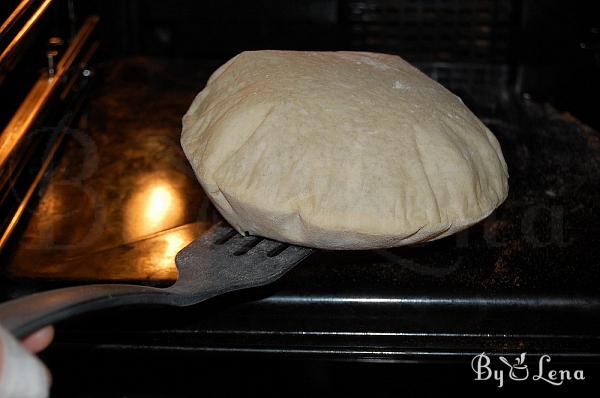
[{"x": 340, "y": 150}]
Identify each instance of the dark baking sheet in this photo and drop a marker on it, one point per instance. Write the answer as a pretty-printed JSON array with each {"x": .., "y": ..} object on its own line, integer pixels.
[{"x": 525, "y": 279}]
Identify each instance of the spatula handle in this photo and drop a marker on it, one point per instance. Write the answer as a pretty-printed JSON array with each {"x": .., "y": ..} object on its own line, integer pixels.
[{"x": 27, "y": 314}]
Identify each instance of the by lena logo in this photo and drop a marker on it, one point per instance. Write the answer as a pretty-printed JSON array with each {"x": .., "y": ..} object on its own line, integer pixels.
[{"x": 518, "y": 370}]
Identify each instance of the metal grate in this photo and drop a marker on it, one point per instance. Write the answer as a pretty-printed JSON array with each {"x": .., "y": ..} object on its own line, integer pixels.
[{"x": 432, "y": 30}]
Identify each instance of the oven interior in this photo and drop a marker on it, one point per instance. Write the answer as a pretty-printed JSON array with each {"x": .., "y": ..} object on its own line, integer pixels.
[{"x": 95, "y": 188}]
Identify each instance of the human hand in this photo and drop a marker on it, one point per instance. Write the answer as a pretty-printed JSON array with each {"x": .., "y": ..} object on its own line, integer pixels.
[{"x": 22, "y": 374}]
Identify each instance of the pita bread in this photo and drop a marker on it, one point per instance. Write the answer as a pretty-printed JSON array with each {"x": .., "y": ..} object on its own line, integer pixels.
[{"x": 340, "y": 150}]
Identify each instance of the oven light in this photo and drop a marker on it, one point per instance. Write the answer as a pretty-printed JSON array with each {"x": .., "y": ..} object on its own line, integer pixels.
[
  {"x": 160, "y": 201},
  {"x": 155, "y": 205}
]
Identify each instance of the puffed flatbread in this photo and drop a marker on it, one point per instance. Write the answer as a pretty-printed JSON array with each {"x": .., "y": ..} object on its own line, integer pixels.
[{"x": 340, "y": 150}]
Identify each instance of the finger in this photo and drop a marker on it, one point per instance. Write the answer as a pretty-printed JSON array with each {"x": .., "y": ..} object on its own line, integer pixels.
[
  {"x": 39, "y": 340},
  {"x": 23, "y": 375}
]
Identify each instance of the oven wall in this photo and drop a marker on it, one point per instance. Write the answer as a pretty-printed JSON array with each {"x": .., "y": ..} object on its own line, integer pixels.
[{"x": 551, "y": 48}]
